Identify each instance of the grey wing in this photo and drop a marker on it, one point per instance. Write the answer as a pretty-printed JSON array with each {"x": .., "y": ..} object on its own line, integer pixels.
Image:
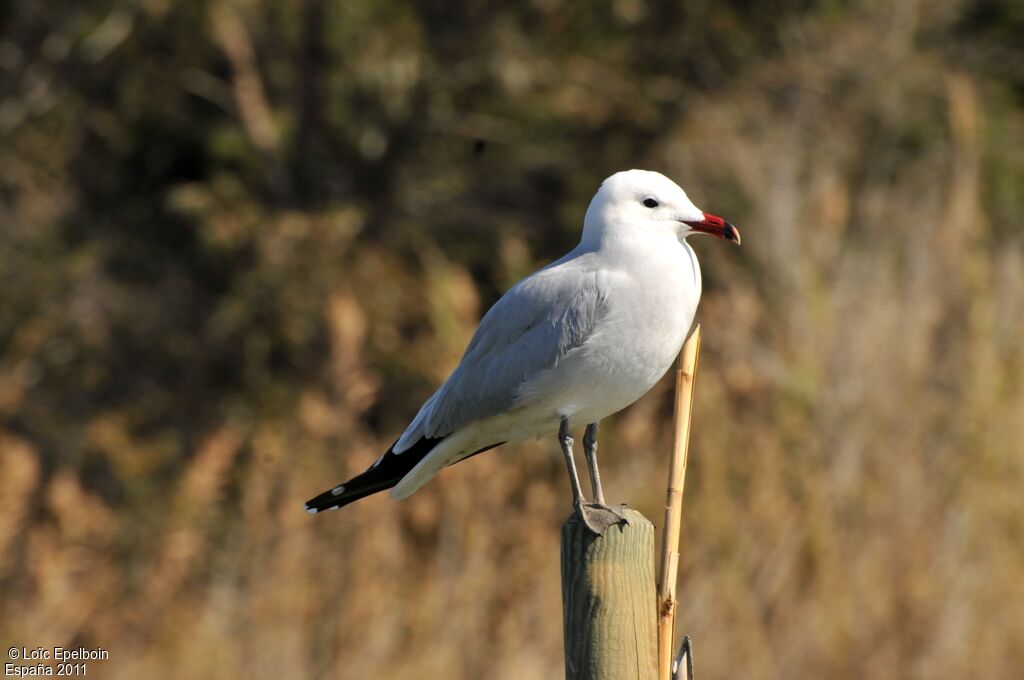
[{"x": 535, "y": 324}]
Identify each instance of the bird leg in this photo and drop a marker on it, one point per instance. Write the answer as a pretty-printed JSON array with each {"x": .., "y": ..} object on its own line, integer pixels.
[
  {"x": 590, "y": 448},
  {"x": 566, "y": 440},
  {"x": 596, "y": 516}
]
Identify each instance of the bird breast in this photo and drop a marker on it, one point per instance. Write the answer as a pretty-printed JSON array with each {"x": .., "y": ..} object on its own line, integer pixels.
[
  {"x": 650, "y": 304},
  {"x": 656, "y": 302}
]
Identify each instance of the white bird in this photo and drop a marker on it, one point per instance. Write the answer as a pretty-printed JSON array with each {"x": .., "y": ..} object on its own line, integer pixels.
[{"x": 572, "y": 343}]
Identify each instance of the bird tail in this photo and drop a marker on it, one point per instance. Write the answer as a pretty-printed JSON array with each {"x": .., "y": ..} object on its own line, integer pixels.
[{"x": 386, "y": 472}]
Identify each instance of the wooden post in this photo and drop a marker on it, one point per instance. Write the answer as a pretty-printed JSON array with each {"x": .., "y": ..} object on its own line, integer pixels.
[
  {"x": 674, "y": 505},
  {"x": 608, "y": 600}
]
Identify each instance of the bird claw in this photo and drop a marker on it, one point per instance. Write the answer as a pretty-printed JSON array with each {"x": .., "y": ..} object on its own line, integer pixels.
[{"x": 598, "y": 517}]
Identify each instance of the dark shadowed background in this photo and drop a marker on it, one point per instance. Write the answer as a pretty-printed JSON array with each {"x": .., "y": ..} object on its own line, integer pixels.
[{"x": 241, "y": 241}]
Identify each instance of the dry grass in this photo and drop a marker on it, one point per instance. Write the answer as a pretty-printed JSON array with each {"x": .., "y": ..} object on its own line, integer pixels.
[{"x": 854, "y": 504}]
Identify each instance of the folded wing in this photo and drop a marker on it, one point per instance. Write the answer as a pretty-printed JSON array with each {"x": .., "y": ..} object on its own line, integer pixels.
[{"x": 536, "y": 323}]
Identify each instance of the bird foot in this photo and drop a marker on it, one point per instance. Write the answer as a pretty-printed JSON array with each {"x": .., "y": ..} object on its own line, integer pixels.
[{"x": 598, "y": 517}]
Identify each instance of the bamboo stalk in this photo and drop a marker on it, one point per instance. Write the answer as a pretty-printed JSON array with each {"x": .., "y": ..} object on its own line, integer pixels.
[{"x": 685, "y": 375}]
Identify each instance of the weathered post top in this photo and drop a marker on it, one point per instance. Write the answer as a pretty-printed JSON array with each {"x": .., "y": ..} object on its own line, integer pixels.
[{"x": 608, "y": 600}]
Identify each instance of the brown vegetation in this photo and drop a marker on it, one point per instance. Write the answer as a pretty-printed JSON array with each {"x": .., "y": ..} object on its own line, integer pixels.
[{"x": 241, "y": 241}]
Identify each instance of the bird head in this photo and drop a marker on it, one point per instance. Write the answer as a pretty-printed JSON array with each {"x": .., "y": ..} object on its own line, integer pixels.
[{"x": 637, "y": 202}]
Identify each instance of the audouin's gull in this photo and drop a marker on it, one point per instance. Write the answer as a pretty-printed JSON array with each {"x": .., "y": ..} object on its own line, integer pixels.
[{"x": 578, "y": 340}]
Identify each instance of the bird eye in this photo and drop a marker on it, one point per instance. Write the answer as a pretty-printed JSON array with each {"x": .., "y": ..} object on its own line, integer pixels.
[{"x": 650, "y": 203}]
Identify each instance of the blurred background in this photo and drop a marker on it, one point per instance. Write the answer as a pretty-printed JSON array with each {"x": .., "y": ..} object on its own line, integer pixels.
[{"x": 241, "y": 241}]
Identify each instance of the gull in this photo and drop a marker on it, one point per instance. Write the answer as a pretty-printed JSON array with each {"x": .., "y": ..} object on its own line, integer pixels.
[{"x": 572, "y": 343}]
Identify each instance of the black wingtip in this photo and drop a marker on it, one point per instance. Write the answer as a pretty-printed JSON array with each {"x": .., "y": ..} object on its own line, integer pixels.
[
  {"x": 384, "y": 474},
  {"x": 331, "y": 500}
]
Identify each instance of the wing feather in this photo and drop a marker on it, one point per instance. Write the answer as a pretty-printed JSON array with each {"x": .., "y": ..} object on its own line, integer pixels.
[{"x": 536, "y": 323}]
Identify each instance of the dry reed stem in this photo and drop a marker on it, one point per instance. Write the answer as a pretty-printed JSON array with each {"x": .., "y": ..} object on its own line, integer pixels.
[{"x": 685, "y": 375}]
